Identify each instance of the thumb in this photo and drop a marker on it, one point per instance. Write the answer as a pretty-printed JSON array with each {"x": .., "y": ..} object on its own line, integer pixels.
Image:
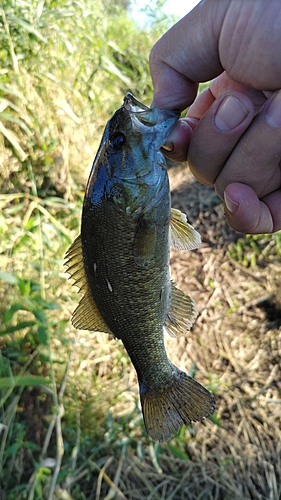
[
  {"x": 232, "y": 35},
  {"x": 185, "y": 55}
]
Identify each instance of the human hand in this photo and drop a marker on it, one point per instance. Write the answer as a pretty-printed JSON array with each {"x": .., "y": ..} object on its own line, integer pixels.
[{"x": 231, "y": 135}]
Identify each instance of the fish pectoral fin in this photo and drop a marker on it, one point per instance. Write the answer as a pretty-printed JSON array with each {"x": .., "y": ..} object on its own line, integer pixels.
[
  {"x": 182, "y": 313},
  {"x": 144, "y": 242},
  {"x": 182, "y": 235},
  {"x": 87, "y": 316},
  {"x": 183, "y": 401}
]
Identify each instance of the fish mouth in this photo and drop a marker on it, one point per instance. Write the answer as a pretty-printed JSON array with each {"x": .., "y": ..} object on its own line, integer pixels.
[
  {"x": 133, "y": 105},
  {"x": 145, "y": 115}
]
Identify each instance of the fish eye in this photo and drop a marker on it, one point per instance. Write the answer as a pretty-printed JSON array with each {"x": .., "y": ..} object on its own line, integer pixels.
[{"x": 117, "y": 141}]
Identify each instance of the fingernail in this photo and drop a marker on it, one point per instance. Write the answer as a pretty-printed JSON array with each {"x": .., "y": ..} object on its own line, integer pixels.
[
  {"x": 168, "y": 146},
  {"x": 230, "y": 114},
  {"x": 273, "y": 113},
  {"x": 232, "y": 206}
]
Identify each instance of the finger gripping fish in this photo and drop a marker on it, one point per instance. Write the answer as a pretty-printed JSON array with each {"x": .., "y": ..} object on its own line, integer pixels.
[{"x": 121, "y": 263}]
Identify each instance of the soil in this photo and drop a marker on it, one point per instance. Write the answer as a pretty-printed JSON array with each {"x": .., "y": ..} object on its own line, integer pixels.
[{"x": 236, "y": 345}]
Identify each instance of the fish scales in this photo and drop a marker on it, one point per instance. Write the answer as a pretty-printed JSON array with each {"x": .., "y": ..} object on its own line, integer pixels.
[
  {"x": 123, "y": 251},
  {"x": 120, "y": 264}
]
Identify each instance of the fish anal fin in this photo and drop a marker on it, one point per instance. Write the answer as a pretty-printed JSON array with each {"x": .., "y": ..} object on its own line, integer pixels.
[
  {"x": 87, "y": 316},
  {"x": 181, "y": 402},
  {"x": 182, "y": 313},
  {"x": 182, "y": 235}
]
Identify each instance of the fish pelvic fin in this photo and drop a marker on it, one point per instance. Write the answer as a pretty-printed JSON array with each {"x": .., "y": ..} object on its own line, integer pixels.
[
  {"x": 86, "y": 315},
  {"x": 182, "y": 402},
  {"x": 182, "y": 312},
  {"x": 182, "y": 235}
]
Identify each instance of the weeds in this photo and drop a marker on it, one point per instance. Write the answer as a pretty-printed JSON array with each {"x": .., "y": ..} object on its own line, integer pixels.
[
  {"x": 65, "y": 67},
  {"x": 71, "y": 425},
  {"x": 256, "y": 249}
]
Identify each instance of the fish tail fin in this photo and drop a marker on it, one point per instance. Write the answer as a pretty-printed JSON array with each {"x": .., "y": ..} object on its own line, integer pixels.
[{"x": 181, "y": 402}]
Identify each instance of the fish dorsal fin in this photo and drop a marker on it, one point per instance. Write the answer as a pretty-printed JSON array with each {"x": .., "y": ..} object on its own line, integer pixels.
[
  {"x": 86, "y": 315},
  {"x": 75, "y": 265},
  {"x": 183, "y": 236},
  {"x": 182, "y": 313}
]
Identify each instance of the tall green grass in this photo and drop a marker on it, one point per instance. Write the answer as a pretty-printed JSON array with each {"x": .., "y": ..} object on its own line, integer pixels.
[{"x": 65, "y": 67}]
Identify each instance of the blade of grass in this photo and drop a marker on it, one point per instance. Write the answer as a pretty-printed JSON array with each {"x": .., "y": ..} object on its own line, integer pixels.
[
  {"x": 24, "y": 380},
  {"x": 112, "y": 492},
  {"x": 10, "y": 41},
  {"x": 10, "y": 136},
  {"x": 103, "y": 475},
  {"x": 20, "y": 374}
]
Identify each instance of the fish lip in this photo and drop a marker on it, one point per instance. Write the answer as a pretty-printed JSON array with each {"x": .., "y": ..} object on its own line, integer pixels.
[
  {"x": 145, "y": 115},
  {"x": 133, "y": 105}
]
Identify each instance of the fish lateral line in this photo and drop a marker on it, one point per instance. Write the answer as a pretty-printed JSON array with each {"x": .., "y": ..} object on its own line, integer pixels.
[{"x": 180, "y": 317}]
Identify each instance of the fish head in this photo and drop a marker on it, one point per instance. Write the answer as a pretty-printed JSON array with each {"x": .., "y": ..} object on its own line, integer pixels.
[
  {"x": 136, "y": 134},
  {"x": 129, "y": 150}
]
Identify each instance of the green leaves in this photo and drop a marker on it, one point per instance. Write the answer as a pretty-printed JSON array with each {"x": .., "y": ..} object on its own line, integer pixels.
[
  {"x": 31, "y": 303},
  {"x": 24, "y": 380},
  {"x": 177, "y": 452},
  {"x": 9, "y": 278},
  {"x": 18, "y": 327}
]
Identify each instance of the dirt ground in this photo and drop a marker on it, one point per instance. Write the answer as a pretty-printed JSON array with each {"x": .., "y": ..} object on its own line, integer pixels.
[
  {"x": 235, "y": 346},
  {"x": 236, "y": 343}
]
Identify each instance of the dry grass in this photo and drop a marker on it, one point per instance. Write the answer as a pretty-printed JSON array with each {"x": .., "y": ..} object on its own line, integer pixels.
[
  {"x": 236, "y": 344},
  {"x": 239, "y": 334}
]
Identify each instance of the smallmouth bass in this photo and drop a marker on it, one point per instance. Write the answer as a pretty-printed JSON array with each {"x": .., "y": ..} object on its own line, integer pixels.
[{"x": 121, "y": 263}]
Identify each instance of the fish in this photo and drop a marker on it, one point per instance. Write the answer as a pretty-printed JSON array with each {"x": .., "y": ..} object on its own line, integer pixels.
[{"x": 120, "y": 262}]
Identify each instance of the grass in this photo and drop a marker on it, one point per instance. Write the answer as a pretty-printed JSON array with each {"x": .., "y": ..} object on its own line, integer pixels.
[
  {"x": 71, "y": 421},
  {"x": 71, "y": 424}
]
